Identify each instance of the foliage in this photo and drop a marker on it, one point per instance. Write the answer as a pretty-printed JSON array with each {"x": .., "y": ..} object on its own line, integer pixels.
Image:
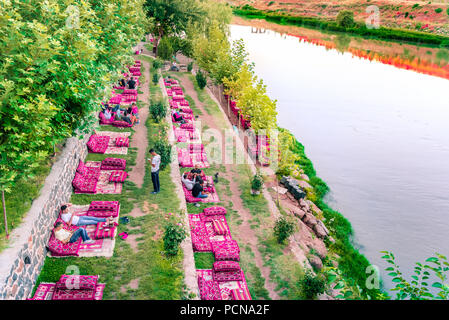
[
  {"x": 257, "y": 182},
  {"x": 201, "y": 79},
  {"x": 165, "y": 49},
  {"x": 158, "y": 110},
  {"x": 157, "y": 64},
  {"x": 287, "y": 163},
  {"x": 156, "y": 77},
  {"x": 283, "y": 229},
  {"x": 345, "y": 19},
  {"x": 163, "y": 148},
  {"x": 190, "y": 66},
  {"x": 173, "y": 236},
  {"x": 438, "y": 10},
  {"x": 418, "y": 288},
  {"x": 55, "y": 62},
  {"x": 311, "y": 285}
]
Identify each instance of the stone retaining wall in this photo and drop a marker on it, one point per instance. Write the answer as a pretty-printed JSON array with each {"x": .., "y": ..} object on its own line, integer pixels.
[{"x": 22, "y": 261}]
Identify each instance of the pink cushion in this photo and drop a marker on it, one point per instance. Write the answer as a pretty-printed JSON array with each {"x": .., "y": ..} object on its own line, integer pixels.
[
  {"x": 226, "y": 250},
  {"x": 240, "y": 294},
  {"x": 77, "y": 282},
  {"x": 209, "y": 290},
  {"x": 82, "y": 169},
  {"x": 122, "y": 142},
  {"x": 220, "y": 227},
  {"x": 226, "y": 266},
  {"x": 57, "y": 248},
  {"x": 113, "y": 164},
  {"x": 214, "y": 211},
  {"x": 121, "y": 123},
  {"x": 118, "y": 176},
  {"x": 225, "y": 276},
  {"x": 103, "y": 205}
]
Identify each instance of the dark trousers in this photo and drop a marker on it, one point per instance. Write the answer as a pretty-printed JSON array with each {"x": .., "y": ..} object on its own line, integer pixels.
[
  {"x": 155, "y": 179},
  {"x": 81, "y": 232}
]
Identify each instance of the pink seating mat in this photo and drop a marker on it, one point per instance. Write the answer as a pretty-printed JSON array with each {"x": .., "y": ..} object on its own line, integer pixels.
[
  {"x": 112, "y": 148},
  {"x": 225, "y": 287},
  {"x": 188, "y": 159},
  {"x": 103, "y": 184},
  {"x": 182, "y": 135},
  {"x": 45, "y": 291},
  {"x": 101, "y": 247},
  {"x": 207, "y": 232}
]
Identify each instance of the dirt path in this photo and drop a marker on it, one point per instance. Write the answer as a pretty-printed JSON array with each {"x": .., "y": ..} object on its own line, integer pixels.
[
  {"x": 245, "y": 233},
  {"x": 140, "y": 138}
]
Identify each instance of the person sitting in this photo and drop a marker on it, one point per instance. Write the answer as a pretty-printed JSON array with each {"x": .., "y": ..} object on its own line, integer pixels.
[
  {"x": 131, "y": 115},
  {"x": 187, "y": 182},
  {"x": 122, "y": 82},
  {"x": 132, "y": 83},
  {"x": 66, "y": 236},
  {"x": 196, "y": 170},
  {"x": 174, "y": 67},
  {"x": 178, "y": 117},
  {"x": 78, "y": 220},
  {"x": 126, "y": 117},
  {"x": 198, "y": 190},
  {"x": 107, "y": 113}
]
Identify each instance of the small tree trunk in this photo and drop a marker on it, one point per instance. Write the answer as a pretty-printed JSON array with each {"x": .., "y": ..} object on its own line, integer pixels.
[{"x": 4, "y": 214}]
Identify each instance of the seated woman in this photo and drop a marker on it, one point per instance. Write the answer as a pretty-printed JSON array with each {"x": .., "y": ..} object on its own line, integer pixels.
[
  {"x": 66, "y": 236},
  {"x": 132, "y": 116},
  {"x": 187, "y": 182},
  {"x": 198, "y": 190},
  {"x": 177, "y": 117},
  {"x": 78, "y": 220}
]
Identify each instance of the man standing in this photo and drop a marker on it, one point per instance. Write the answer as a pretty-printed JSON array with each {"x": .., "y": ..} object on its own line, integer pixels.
[{"x": 155, "y": 164}]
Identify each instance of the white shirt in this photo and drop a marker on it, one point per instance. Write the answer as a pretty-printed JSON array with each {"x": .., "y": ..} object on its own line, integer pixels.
[
  {"x": 62, "y": 235},
  {"x": 188, "y": 183},
  {"x": 157, "y": 162},
  {"x": 66, "y": 217}
]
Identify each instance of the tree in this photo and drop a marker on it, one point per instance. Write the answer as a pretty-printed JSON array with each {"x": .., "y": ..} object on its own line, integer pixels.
[
  {"x": 165, "y": 49},
  {"x": 283, "y": 229},
  {"x": 173, "y": 236},
  {"x": 345, "y": 18},
  {"x": 418, "y": 288},
  {"x": 172, "y": 17},
  {"x": 311, "y": 285},
  {"x": 55, "y": 61}
]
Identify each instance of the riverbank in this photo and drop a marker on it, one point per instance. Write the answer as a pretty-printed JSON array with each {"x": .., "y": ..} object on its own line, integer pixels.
[{"x": 360, "y": 29}]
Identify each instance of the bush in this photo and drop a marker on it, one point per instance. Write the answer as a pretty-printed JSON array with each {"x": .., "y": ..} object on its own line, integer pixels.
[
  {"x": 165, "y": 49},
  {"x": 345, "y": 19},
  {"x": 156, "y": 77},
  {"x": 163, "y": 148},
  {"x": 283, "y": 229},
  {"x": 158, "y": 110},
  {"x": 157, "y": 64},
  {"x": 257, "y": 182},
  {"x": 438, "y": 10},
  {"x": 447, "y": 11},
  {"x": 190, "y": 66},
  {"x": 311, "y": 285},
  {"x": 173, "y": 236},
  {"x": 201, "y": 80}
]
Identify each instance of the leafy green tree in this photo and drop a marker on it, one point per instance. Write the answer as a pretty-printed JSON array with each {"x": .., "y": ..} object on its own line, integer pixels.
[
  {"x": 165, "y": 49},
  {"x": 158, "y": 110},
  {"x": 418, "y": 288},
  {"x": 283, "y": 229},
  {"x": 173, "y": 236},
  {"x": 311, "y": 285},
  {"x": 172, "y": 17},
  {"x": 201, "y": 79},
  {"x": 345, "y": 18}
]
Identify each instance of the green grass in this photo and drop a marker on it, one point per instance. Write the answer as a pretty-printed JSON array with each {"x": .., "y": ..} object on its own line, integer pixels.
[{"x": 204, "y": 260}]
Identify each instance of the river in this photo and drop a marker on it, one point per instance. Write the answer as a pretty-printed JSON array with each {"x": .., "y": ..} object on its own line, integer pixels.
[{"x": 378, "y": 135}]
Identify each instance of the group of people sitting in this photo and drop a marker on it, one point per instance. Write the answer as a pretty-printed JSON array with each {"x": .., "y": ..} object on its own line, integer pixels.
[
  {"x": 69, "y": 218},
  {"x": 128, "y": 84},
  {"x": 129, "y": 115},
  {"x": 195, "y": 183}
]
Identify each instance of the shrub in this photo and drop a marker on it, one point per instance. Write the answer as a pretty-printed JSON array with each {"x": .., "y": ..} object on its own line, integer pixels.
[
  {"x": 158, "y": 110},
  {"x": 163, "y": 148},
  {"x": 190, "y": 66},
  {"x": 270, "y": 3},
  {"x": 257, "y": 182},
  {"x": 447, "y": 11},
  {"x": 156, "y": 77},
  {"x": 345, "y": 19},
  {"x": 157, "y": 64},
  {"x": 165, "y": 49},
  {"x": 311, "y": 285},
  {"x": 173, "y": 236},
  {"x": 201, "y": 80},
  {"x": 438, "y": 10},
  {"x": 283, "y": 229}
]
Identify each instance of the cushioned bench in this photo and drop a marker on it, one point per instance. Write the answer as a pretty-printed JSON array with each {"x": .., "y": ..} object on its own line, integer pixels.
[
  {"x": 75, "y": 287},
  {"x": 113, "y": 164},
  {"x": 224, "y": 271},
  {"x": 105, "y": 121},
  {"x": 104, "y": 209},
  {"x": 59, "y": 249},
  {"x": 98, "y": 144}
]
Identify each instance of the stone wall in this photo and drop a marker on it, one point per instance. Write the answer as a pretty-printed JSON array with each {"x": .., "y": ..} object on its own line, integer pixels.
[{"x": 22, "y": 261}]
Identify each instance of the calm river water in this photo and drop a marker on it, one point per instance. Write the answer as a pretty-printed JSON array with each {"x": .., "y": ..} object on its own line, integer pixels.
[{"x": 377, "y": 135}]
